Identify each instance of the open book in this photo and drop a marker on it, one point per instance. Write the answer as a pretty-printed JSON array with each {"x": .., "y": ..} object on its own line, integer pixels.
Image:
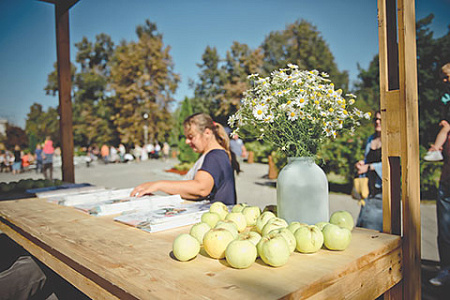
[
  {"x": 167, "y": 217},
  {"x": 123, "y": 204},
  {"x": 95, "y": 197}
]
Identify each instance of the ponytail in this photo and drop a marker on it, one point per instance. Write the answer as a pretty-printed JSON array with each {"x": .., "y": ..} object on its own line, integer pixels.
[{"x": 204, "y": 121}]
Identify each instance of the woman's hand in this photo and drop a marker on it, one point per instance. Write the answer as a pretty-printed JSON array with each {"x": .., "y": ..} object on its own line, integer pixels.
[
  {"x": 362, "y": 167},
  {"x": 145, "y": 189}
]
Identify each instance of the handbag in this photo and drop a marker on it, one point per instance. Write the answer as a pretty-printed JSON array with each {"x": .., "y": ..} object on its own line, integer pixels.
[{"x": 360, "y": 188}]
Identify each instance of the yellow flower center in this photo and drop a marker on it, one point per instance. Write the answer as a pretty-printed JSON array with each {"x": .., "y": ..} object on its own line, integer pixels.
[{"x": 259, "y": 112}]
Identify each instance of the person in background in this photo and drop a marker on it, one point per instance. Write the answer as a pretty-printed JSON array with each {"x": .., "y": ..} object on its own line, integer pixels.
[
  {"x": 105, "y": 153},
  {"x": 165, "y": 151},
  {"x": 238, "y": 148},
  {"x": 2, "y": 160},
  {"x": 16, "y": 167},
  {"x": 371, "y": 214},
  {"x": 434, "y": 153},
  {"x": 122, "y": 152},
  {"x": 48, "y": 152},
  {"x": 443, "y": 216},
  {"x": 212, "y": 176},
  {"x": 157, "y": 150},
  {"x": 38, "y": 158},
  {"x": 26, "y": 160}
]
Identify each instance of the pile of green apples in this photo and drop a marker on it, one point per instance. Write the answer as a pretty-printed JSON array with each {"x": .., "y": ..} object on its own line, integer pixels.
[{"x": 244, "y": 234}]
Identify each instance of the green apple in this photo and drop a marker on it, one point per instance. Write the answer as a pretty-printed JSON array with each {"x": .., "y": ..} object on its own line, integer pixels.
[
  {"x": 309, "y": 239},
  {"x": 288, "y": 235},
  {"x": 220, "y": 209},
  {"x": 241, "y": 254},
  {"x": 262, "y": 220},
  {"x": 252, "y": 236},
  {"x": 238, "y": 207},
  {"x": 251, "y": 214},
  {"x": 293, "y": 226},
  {"x": 321, "y": 225},
  {"x": 238, "y": 219},
  {"x": 274, "y": 250},
  {"x": 272, "y": 224},
  {"x": 210, "y": 218},
  {"x": 216, "y": 241},
  {"x": 342, "y": 218},
  {"x": 228, "y": 225},
  {"x": 336, "y": 238},
  {"x": 185, "y": 247},
  {"x": 199, "y": 230}
]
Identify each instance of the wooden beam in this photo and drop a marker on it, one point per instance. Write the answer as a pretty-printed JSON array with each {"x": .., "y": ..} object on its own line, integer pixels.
[
  {"x": 64, "y": 85},
  {"x": 400, "y": 136},
  {"x": 410, "y": 149}
]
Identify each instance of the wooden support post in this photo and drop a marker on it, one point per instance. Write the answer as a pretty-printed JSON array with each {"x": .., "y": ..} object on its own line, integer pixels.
[
  {"x": 64, "y": 85},
  {"x": 410, "y": 149},
  {"x": 400, "y": 137}
]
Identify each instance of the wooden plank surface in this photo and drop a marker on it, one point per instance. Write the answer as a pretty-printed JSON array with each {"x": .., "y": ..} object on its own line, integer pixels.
[{"x": 131, "y": 263}]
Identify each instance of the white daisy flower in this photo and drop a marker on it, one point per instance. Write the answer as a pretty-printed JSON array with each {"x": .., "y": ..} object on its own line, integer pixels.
[
  {"x": 292, "y": 115},
  {"x": 259, "y": 112}
]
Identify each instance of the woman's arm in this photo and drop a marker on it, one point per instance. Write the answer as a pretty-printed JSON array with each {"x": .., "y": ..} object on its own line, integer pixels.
[{"x": 200, "y": 187}]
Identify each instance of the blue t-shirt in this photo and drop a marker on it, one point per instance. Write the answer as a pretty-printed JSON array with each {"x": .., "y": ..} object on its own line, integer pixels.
[
  {"x": 218, "y": 165},
  {"x": 38, "y": 153}
]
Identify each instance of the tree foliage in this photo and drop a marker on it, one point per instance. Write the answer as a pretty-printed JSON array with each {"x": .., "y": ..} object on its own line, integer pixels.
[
  {"x": 222, "y": 81},
  {"x": 15, "y": 136},
  {"x": 41, "y": 123},
  {"x": 186, "y": 154},
  {"x": 143, "y": 81}
]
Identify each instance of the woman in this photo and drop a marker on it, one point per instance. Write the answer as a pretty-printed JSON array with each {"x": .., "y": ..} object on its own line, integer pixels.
[
  {"x": 17, "y": 160},
  {"x": 212, "y": 176},
  {"x": 371, "y": 214}
]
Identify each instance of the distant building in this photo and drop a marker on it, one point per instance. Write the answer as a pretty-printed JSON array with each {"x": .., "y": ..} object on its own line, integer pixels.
[{"x": 3, "y": 123}]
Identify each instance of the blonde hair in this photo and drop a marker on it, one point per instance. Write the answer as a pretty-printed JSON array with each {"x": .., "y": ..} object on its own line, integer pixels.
[
  {"x": 445, "y": 69},
  {"x": 204, "y": 121}
]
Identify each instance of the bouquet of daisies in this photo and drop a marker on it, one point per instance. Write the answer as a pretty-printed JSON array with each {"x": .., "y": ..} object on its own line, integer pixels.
[{"x": 295, "y": 110}]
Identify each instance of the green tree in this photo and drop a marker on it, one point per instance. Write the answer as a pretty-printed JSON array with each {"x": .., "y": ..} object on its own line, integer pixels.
[
  {"x": 41, "y": 123},
  {"x": 210, "y": 84},
  {"x": 15, "y": 136},
  {"x": 186, "y": 154},
  {"x": 143, "y": 81},
  {"x": 92, "y": 104},
  {"x": 301, "y": 44},
  {"x": 89, "y": 94},
  {"x": 368, "y": 87},
  {"x": 240, "y": 62}
]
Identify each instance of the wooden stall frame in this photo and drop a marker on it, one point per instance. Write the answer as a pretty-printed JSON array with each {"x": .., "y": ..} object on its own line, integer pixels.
[
  {"x": 399, "y": 110},
  {"x": 400, "y": 136},
  {"x": 62, "y": 8}
]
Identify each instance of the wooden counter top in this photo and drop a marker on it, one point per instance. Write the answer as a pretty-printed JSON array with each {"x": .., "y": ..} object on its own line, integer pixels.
[{"x": 107, "y": 259}]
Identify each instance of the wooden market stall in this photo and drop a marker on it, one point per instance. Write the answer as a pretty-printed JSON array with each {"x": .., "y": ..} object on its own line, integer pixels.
[
  {"x": 400, "y": 136},
  {"x": 108, "y": 260}
]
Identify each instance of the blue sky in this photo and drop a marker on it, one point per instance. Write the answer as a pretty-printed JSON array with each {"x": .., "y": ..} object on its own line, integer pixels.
[{"x": 28, "y": 51}]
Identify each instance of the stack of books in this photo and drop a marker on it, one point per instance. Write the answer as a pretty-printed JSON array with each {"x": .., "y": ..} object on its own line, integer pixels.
[{"x": 166, "y": 217}]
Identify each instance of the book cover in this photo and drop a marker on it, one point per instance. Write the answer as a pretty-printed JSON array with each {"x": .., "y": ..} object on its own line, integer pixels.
[
  {"x": 119, "y": 205},
  {"x": 166, "y": 217},
  {"x": 99, "y": 196}
]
